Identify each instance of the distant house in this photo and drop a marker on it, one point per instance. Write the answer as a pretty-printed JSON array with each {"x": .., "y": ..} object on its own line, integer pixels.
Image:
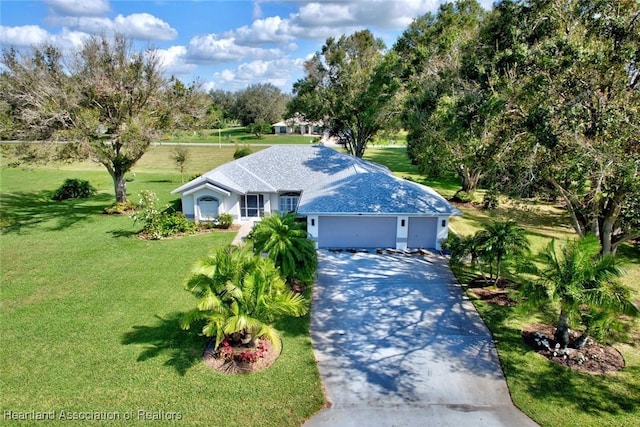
[
  {"x": 299, "y": 126},
  {"x": 348, "y": 202}
]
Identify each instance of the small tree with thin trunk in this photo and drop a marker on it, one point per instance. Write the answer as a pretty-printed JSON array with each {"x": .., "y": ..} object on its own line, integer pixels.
[
  {"x": 286, "y": 242},
  {"x": 498, "y": 241},
  {"x": 239, "y": 296},
  {"x": 581, "y": 287},
  {"x": 181, "y": 156}
]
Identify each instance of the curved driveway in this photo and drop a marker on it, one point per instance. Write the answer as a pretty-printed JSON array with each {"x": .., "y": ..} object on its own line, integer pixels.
[{"x": 398, "y": 344}]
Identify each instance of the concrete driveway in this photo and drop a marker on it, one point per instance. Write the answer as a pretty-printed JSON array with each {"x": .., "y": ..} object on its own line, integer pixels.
[{"x": 398, "y": 344}]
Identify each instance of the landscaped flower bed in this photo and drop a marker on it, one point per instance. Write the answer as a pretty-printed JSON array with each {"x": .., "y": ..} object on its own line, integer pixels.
[{"x": 237, "y": 358}]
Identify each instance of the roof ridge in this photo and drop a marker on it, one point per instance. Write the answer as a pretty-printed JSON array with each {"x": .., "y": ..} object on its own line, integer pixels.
[{"x": 268, "y": 184}]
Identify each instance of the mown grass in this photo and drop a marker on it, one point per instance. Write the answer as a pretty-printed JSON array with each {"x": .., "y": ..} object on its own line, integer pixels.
[
  {"x": 235, "y": 135},
  {"x": 90, "y": 314},
  {"x": 550, "y": 394}
]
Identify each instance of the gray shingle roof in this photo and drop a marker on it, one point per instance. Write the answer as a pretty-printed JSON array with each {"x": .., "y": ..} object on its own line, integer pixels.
[{"x": 330, "y": 182}]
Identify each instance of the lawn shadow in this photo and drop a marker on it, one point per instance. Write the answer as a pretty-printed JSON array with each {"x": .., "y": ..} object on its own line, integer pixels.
[
  {"x": 20, "y": 211},
  {"x": 123, "y": 233},
  {"x": 166, "y": 338}
]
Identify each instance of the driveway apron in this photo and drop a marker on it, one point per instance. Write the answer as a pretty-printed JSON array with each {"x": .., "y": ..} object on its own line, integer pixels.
[{"x": 398, "y": 344}]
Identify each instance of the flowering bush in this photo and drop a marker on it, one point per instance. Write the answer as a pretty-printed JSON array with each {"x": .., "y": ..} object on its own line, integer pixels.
[
  {"x": 250, "y": 355},
  {"x": 158, "y": 222}
]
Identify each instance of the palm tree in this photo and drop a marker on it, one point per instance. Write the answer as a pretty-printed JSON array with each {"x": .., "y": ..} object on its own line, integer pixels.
[
  {"x": 499, "y": 240},
  {"x": 239, "y": 296},
  {"x": 582, "y": 284},
  {"x": 286, "y": 242}
]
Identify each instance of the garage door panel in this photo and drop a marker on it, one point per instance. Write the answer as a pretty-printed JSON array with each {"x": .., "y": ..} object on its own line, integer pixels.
[
  {"x": 422, "y": 232},
  {"x": 356, "y": 232}
]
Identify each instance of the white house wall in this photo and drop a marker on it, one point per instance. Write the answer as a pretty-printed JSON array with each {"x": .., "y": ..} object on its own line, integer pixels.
[
  {"x": 188, "y": 206},
  {"x": 443, "y": 230}
]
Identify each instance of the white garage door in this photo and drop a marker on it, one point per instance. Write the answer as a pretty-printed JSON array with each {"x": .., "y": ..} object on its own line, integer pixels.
[
  {"x": 422, "y": 233},
  {"x": 356, "y": 232}
]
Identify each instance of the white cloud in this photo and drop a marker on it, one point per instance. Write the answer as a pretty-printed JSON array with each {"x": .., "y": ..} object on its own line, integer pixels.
[
  {"x": 279, "y": 72},
  {"x": 32, "y": 35},
  {"x": 79, "y": 7},
  {"x": 262, "y": 31},
  {"x": 23, "y": 36},
  {"x": 211, "y": 49},
  {"x": 319, "y": 20},
  {"x": 174, "y": 61},
  {"x": 257, "y": 10},
  {"x": 344, "y": 16},
  {"x": 144, "y": 26},
  {"x": 322, "y": 14},
  {"x": 140, "y": 26}
]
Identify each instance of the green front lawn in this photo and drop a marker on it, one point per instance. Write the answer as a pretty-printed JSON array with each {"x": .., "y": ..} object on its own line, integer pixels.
[
  {"x": 235, "y": 135},
  {"x": 89, "y": 314}
]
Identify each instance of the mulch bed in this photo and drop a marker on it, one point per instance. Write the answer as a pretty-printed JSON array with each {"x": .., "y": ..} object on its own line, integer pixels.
[
  {"x": 493, "y": 296},
  {"x": 594, "y": 358},
  {"x": 213, "y": 359},
  {"x": 233, "y": 228}
]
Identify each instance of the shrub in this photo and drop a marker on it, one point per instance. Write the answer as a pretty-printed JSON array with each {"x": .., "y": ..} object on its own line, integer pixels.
[
  {"x": 160, "y": 222},
  {"x": 241, "y": 152},
  {"x": 224, "y": 220},
  {"x": 174, "y": 223},
  {"x": 463, "y": 197},
  {"x": 120, "y": 208},
  {"x": 286, "y": 242},
  {"x": 74, "y": 189},
  {"x": 490, "y": 200}
]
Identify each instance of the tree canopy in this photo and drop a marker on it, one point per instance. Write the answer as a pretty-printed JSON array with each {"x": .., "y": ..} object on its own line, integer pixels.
[
  {"x": 106, "y": 100},
  {"x": 545, "y": 97},
  {"x": 351, "y": 86},
  {"x": 260, "y": 103}
]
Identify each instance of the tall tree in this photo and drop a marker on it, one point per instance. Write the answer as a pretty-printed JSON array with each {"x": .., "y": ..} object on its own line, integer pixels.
[
  {"x": 224, "y": 102},
  {"x": 187, "y": 107},
  {"x": 351, "y": 86},
  {"x": 448, "y": 115},
  {"x": 260, "y": 102},
  {"x": 105, "y": 99},
  {"x": 576, "y": 97}
]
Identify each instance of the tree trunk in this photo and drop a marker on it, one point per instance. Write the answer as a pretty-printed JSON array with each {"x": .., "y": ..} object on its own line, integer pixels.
[
  {"x": 580, "y": 342},
  {"x": 609, "y": 216},
  {"x": 120, "y": 186},
  {"x": 561, "y": 335},
  {"x": 498, "y": 271},
  {"x": 469, "y": 179}
]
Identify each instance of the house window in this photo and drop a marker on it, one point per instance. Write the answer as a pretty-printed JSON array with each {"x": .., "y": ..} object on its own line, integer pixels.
[
  {"x": 289, "y": 202},
  {"x": 252, "y": 205}
]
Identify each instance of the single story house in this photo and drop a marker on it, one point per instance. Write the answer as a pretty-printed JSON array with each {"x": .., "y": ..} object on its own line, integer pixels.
[
  {"x": 348, "y": 202},
  {"x": 297, "y": 126}
]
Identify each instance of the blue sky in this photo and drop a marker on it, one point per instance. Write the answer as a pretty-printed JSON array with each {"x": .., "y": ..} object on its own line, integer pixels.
[{"x": 224, "y": 44}]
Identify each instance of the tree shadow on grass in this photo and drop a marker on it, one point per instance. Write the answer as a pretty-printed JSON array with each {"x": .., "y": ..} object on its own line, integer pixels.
[
  {"x": 123, "y": 233},
  {"x": 23, "y": 211},
  {"x": 165, "y": 338},
  {"x": 546, "y": 381}
]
